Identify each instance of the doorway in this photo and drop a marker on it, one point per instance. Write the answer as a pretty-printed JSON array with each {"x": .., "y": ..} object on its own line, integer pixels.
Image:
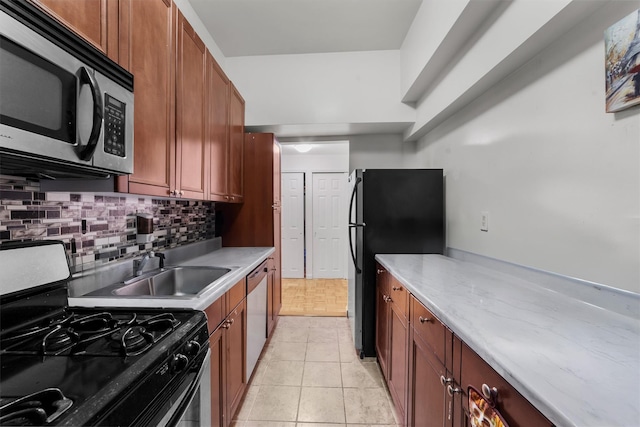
[
  {"x": 293, "y": 239},
  {"x": 308, "y": 271},
  {"x": 330, "y": 225}
]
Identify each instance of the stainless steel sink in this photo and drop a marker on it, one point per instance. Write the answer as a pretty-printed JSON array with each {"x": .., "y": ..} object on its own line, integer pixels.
[{"x": 173, "y": 281}]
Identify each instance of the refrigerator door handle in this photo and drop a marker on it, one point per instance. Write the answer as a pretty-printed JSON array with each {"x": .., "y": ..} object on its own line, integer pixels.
[{"x": 354, "y": 225}]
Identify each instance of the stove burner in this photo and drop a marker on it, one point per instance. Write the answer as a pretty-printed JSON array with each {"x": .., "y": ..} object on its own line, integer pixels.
[
  {"x": 133, "y": 341},
  {"x": 160, "y": 322},
  {"x": 59, "y": 340},
  {"x": 35, "y": 409}
]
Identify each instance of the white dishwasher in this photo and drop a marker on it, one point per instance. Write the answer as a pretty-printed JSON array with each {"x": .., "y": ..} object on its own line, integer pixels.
[{"x": 256, "y": 315}]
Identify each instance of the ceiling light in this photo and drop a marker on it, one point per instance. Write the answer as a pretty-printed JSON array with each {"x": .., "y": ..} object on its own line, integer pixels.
[{"x": 302, "y": 148}]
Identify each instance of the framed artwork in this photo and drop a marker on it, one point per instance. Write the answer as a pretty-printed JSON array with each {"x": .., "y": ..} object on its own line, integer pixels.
[{"x": 622, "y": 63}]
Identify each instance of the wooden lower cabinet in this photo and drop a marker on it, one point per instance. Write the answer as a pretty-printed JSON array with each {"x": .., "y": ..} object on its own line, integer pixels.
[
  {"x": 274, "y": 296},
  {"x": 218, "y": 350},
  {"x": 428, "y": 403},
  {"x": 429, "y": 370},
  {"x": 397, "y": 367},
  {"x": 228, "y": 345},
  {"x": 515, "y": 409},
  {"x": 236, "y": 357},
  {"x": 382, "y": 319},
  {"x": 392, "y": 337}
]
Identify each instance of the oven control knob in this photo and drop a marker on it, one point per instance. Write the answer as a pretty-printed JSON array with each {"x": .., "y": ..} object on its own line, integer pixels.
[
  {"x": 178, "y": 362},
  {"x": 192, "y": 348}
]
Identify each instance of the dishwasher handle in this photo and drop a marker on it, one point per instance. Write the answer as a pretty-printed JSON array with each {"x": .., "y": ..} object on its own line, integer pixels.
[{"x": 255, "y": 277}]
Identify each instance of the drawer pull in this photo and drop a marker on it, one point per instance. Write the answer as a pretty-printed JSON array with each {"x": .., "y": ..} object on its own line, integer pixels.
[
  {"x": 452, "y": 390},
  {"x": 424, "y": 319},
  {"x": 397, "y": 288},
  {"x": 489, "y": 392},
  {"x": 444, "y": 381},
  {"x": 225, "y": 325},
  {"x": 379, "y": 271},
  {"x": 386, "y": 298}
]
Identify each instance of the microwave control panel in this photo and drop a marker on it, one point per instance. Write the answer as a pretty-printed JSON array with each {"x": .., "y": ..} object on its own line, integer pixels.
[{"x": 114, "y": 123}]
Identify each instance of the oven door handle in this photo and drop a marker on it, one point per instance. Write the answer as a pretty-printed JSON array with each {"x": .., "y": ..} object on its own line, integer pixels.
[{"x": 190, "y": 394}]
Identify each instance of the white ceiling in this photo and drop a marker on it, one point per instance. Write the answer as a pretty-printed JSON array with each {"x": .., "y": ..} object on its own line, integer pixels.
[{"x": 272, "y": 27}]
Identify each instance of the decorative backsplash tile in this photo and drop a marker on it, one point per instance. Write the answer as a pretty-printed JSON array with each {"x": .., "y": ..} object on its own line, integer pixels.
[{"x": 98, "y": 228}]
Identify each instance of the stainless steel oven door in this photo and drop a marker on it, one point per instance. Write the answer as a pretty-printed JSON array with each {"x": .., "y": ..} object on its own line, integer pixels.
[{"x": 193, "y": 406}]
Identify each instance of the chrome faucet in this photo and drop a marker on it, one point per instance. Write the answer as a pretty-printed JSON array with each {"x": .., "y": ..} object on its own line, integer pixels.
[{"x": 138, "y": 264}]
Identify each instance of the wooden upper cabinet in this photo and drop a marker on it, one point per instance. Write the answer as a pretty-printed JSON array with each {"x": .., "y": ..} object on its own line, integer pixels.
[
  {"x": 96, "y": 21},
  {"x": 218, "y": 93},
  {"x": 147, "y": 49},
  {"x": 236, "y": 146},
  {"x": 192, "y": 162}
]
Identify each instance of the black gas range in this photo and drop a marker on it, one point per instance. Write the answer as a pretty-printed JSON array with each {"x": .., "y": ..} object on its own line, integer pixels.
[{"x": 90, "y": 366}]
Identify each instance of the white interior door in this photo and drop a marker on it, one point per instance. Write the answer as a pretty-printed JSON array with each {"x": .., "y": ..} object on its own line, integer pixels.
[
  {"x": 329, "y": 225},
  {"x": 292, "y": 225}
]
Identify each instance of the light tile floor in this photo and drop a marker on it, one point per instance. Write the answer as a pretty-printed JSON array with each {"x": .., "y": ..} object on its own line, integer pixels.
[{"x": 309, "y": 376}]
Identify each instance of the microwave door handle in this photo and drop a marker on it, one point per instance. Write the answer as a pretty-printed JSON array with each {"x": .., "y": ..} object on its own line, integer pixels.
[{"x": 86, "y": 77}]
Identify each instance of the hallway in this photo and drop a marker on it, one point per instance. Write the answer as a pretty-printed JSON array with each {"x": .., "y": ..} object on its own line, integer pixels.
[
  {"x": 309, "y": 374},
  {"x": 314, "y": 297}
]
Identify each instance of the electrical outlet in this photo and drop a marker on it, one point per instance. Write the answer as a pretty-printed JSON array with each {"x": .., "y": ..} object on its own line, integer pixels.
[{"x": 484, "y": 221}]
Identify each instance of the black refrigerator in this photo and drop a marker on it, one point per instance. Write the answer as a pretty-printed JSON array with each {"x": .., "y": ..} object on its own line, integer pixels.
[{"x": 391, "y": 211}]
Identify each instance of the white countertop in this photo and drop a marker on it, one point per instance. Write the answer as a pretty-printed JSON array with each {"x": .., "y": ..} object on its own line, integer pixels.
[
  {"x": 240, "y": 260},
  {"x": 577, "y": 363}
]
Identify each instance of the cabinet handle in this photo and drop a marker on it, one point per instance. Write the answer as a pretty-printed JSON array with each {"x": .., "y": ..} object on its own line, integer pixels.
[
  {"x": 387, "y": 298},
  {"x": 379, "y": 271},
  {"x": 444, "y": 381},
  {"x": 181, "y": 193},
  {"x": 424, "y": 319},
  {"x": 489, "y": 392},
  {"x": 233, "y": 197},
  {"x": 225, "y": 325},
  {"x": 231, "y": 321},
  {"x": 397, "y": 288},
  {"x": 452, "y": 390},
  {"x": 172, "y": 193}
]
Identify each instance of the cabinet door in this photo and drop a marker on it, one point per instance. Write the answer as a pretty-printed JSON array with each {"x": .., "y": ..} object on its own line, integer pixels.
[
  {"x": 428, "y": 404},
  {"x": 236, "y": 146},
  {"x": 236, "y": 357},
  {"x": 397, "y": 364},
  {"x": 217, "y": 347},
  {"x": 191, "y": 159},
  {"x": 147, "y": 49},
  {"x": 516, "y": 410},
  {"x": 218, "y": 93},
  {"x": 271, "y": 316},
  {"x": 96, "y": 21},
  {"x": 382, "y": 320}
]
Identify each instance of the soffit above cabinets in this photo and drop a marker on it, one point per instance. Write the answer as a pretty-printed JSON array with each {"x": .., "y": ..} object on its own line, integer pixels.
[{"x": 275, "y": 27}]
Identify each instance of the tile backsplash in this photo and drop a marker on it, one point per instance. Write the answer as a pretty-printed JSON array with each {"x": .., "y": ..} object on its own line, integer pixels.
[{"x": 98, "y": 228}]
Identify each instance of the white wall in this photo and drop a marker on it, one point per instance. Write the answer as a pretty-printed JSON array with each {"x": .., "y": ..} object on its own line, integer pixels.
[
  {"x": 334, "y": 88},
  {"x": 382, "y": 152},
  {"x": 308, "y": 163},
  {"x": 559, "y": 177}
]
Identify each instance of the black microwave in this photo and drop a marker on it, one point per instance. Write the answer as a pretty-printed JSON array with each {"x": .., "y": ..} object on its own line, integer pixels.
[{"x": 66, "y": 110}]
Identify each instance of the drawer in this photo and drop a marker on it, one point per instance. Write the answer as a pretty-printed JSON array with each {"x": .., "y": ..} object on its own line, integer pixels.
[
  {"x": 236, "y": 294},
  {"x": 428, "y": 328},
  {"x": 399, "y": 296},
  {"x": 516, "y": 410},
  {"x": 215, "y": 314}
]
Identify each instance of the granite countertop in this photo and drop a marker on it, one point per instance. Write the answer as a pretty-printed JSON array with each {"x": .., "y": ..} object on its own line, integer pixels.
[
  {"x": 240, "y": 260},
  {"x": 578, "y": 363}
]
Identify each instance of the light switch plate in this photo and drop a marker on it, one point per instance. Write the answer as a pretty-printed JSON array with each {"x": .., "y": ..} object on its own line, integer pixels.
[{"x": 484, "y": 221}]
